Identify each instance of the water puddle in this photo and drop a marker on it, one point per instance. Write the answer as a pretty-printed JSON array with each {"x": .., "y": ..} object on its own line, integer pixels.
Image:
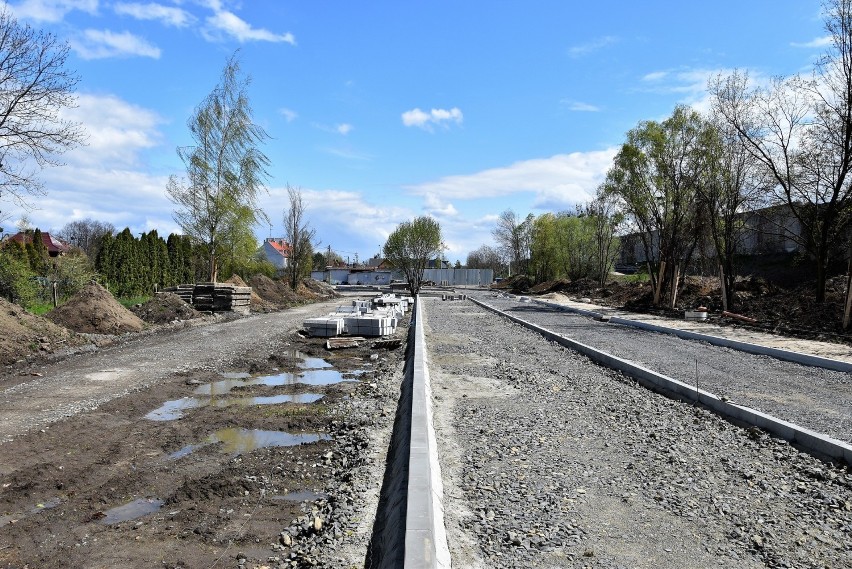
[
  {"x": 313, "y": 363},
  {"x": 172, "y": 410},
  {"x": 131, "y": 511},
  {"x": 301, "y": 496},
  {"x": 238, "y": 441},
  {"x": 40, "y": 507},
  {"x": 235, "y": 374}
]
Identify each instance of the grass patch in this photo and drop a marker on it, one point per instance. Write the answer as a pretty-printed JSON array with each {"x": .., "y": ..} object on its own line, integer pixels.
[
  {"x": 133, "y": 301},
  {"x": 289, "y": 410},
  {"x": 40, "y": 308}
]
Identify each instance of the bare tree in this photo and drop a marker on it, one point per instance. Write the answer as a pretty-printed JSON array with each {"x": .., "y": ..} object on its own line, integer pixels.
[
  {"x": 35, "y": 86},
  {"x": 485, "y": 257},
  {"x": 800, "y": 130},
  {"x": 299, "y": 236},
  {"x": 87, "y": 234},
  {"x": 225, "y": 169},
  {"x": 514, "y": 236}
]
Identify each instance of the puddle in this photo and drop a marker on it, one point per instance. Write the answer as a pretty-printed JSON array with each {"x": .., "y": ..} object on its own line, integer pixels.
[
  {"x": 131, "y": 511},
  {"x": 313, "y": 363},
  {"x": 41, "y": 506},
  {"x": 307, "y": 377},
  {"x": 323, "y": 376},
  {"x": 237, "y": 441},
  {"x": 301, "y": 496},
  {"x": 235, "y": 374},
  {"x": 171, "y": 410}
]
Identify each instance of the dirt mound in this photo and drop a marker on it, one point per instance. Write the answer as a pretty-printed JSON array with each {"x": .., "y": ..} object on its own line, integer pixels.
[
  {"x": 551, "y": 286},
  {"x": 257, "y": 303},
  {"x": 274, "y": 291},
  {"x": 163, "y": 308},
  {"x": 320, "y": 289},
  {"x": 518, "y": 284},
  {"x": 94, "y": 310},
  {"x": 23, "y": 334}
]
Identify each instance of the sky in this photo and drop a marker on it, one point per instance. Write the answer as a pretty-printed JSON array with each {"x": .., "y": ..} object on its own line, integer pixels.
[{"x": 381, "y": 111}]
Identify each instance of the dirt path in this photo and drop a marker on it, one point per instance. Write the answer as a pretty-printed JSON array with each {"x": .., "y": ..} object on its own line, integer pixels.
[
  {"x": 233, "y": 444},
  {"x": 83, "y": 383}
]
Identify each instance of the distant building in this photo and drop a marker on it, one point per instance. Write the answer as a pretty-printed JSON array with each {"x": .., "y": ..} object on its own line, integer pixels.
[
  {"x": 54, "y": 246},
  {"x": 277, "y": 251}
]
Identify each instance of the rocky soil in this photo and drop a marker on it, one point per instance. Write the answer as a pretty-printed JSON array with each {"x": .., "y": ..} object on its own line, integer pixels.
[
  {"x": 552, "y": 461},
  {"x": 156, "y": 451}
]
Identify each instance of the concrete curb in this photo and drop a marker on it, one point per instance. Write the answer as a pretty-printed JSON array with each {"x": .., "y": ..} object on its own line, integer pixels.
[
  {"x": 816, "y": 443},
  {"x": 786, "y": 355},
  {"x": 425, "y": 535}
]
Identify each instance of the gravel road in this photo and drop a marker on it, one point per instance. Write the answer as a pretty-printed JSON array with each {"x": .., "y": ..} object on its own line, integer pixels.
[
  {"x": 552, "y": 461},
  {"x": 812, "y": 397},
  {"x": 74, "y": 385}
]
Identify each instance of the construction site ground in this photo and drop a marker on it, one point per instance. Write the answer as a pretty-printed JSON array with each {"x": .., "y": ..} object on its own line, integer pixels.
[{"x": 212, "y": 445}]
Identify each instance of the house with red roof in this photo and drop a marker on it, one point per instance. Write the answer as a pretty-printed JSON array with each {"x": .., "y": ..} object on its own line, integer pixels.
[
  {"x": 54, "y": 246},
  {"x": 277, "y": 251}
]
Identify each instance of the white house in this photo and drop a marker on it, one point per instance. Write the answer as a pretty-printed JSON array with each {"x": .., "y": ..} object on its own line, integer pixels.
[{"x": 277, "y": 252}]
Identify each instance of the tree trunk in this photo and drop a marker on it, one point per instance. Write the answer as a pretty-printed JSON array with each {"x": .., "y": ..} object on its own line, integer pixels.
[
  {"x": 724, "y": 286},
  {"x": 675, "y": 282},
  {"x": 847, "y": 313},
  {"x": 660, "y": 280}
]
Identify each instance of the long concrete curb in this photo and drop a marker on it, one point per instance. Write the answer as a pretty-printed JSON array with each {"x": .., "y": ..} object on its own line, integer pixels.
[
  {"x": 425, "y": 535},
  {"x": 778, "y": 353},
  {"x": 811, "y": 441}
]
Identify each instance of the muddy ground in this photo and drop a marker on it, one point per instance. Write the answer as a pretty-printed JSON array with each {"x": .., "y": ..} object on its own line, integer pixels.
[{"x": 134, "y": 484}]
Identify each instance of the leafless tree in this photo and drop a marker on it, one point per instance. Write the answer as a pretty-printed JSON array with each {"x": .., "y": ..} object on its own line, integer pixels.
[
  {"x": 35, "y": 86},
  {"x": 299, "y": 236},
  {"x": 87, "y": 234},
  {"x": 800, "y": 130}
]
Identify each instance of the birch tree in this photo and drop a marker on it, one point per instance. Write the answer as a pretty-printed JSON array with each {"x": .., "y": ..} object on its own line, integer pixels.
[{"x": 225, "y": 169}]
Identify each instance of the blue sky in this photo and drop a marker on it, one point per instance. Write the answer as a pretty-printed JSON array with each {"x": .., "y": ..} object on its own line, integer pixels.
[{"x": 385, "y": 110}]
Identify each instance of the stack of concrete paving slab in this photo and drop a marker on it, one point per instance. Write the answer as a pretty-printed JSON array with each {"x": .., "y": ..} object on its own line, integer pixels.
[
  {"x": 324, "y": 326},
  {"x": 378, "y": 317}
]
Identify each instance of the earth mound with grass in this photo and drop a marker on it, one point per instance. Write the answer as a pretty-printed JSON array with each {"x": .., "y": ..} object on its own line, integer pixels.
[{"x": 94, "y": 310}]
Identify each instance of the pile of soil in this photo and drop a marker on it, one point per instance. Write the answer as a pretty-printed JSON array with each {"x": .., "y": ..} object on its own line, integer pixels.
[
  {"x": 319, "y": 289},
  {"x": 165, "y": 307},
  {"x": 257, "y": 303},
  {"x": 94, "y": 310},
  {"x": 274, "y": 291},
  {"x": 23, "y": 334}
]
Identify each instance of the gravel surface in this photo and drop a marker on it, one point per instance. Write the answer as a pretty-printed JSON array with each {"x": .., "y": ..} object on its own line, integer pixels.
[
  {"x": 816, "y": 398},
  {"x": 552, "y": 461}
]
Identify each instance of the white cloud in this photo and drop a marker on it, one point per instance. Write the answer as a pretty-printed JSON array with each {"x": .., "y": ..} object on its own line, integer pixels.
[
  {"x": 229, "y": 24},
  {"x": 344, "y": 128},
  {"x": 824, "y": 41},
  {"x": 108, "y": 179},
  {"x": 117, "y": 131},
  {"x": 690, "y": 84},
  {"x": 51, "y": 10},
  {"x": 580, "y": 106},
  {"x": 592, "y": 46},
  {"x": 560, "y": 180},
  {"x": 424, "y": 120},
  {"x": 168, "y": 15},
  {"x": 655, "y": 76},
  {"x": 101, "y": 44},
  {"x": 343, "y": 219},
  {"x": 288, "y": 114},
  {"x": 438, "y": 208}
]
